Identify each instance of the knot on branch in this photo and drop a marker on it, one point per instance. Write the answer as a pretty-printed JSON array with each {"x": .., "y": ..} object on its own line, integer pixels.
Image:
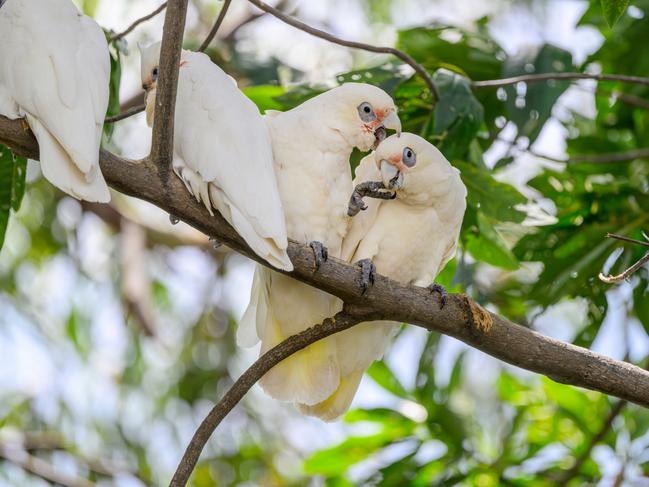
[{"x": 478, "y": 318}]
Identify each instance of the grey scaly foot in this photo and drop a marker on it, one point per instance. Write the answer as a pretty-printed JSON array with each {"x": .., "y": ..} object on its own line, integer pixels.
[
  {"x": 371, "y": 189},
  {"x": 320, "y": 253},
  {"x": 443, "y": 294},
  {"x": 368, "y": 274}
]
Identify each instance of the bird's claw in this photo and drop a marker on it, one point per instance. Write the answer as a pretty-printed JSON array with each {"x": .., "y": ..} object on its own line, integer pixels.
[
  {"x": 320, "y": 253},
  {"x": 368, "y": 274},
  {"x": 443, "y": 294},
  {"x": 371, "y": 189}
]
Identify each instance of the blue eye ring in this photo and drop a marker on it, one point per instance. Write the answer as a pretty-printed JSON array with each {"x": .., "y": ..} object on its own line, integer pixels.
[
  {"x": 409, "y": 158},
  {"x": 366, "y": 112},
  {"x": 154, "y": 74}
]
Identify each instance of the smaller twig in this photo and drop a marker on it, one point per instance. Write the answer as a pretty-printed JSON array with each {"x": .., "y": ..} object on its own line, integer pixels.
[
  {"x": 370, "y": 189},
  {"x": 627, "y": 273},
  {"x": 341, "y": 321},
  {"x": 530, "y": 78},
  {"x": 217, "y": 24},
  {"x": 634, "y": 268},
  {"x": 41, "y": 468},
  {"x": 627, "y": 239},
  {"x": 131, "y": 27},
  {"x": 355, "y": 45},
  {"x": 124, "y": 115}
]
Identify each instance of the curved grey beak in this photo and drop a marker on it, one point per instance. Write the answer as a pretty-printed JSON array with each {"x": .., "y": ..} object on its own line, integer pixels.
[
  {"x": 392, "y": 122},
  {"x": 392, "y": 177}
]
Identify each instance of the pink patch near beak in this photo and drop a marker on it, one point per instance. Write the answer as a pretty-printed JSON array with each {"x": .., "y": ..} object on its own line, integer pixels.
[{"x": 395, "y": 160}]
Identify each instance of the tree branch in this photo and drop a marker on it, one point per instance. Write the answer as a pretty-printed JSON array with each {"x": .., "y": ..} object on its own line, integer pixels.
[
  {"x": 461, "y": 318},
  {"x": 342, "y": 321},
  {"x": 631, "y": 270},
  {"x": 355, "y": 45},
  {"x": 165, "y": 102},
  {"x": 131, "y": 27},
  {"x": 531, "y": 78},
  {"x": 126, "y": 114},
  {"x": 217, "y": 25},
  {"x": 41, "y": 468}
]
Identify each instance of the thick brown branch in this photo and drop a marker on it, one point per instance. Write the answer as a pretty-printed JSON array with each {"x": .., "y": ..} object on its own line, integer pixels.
[
  {"x": 460, "y": 318},
  {"x": 342, "y": 321},
  {"x": 132, "y": 27},
  {"x": 531, "y": 78},
  {"x": 419, "y": 69},
  {"x": 165, "y": 102},
  {"x": 217, "y": 25}
]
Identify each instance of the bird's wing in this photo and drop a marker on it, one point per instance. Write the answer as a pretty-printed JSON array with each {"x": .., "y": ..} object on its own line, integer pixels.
[
  {"x": 221, "y": 136},
  {"x": 361, "y": 223}
]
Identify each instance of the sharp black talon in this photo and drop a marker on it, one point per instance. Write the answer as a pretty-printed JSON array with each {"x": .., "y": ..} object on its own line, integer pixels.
[
  {"x": 368, "y": 274},
  {"x": 320, "y": 253},
  {"x": 443, "y": 294}
]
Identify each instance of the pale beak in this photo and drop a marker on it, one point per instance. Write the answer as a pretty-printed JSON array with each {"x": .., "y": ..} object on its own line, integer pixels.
[
  {"x": 392, "y": 122},
  {"x": 392, "y": 177}
]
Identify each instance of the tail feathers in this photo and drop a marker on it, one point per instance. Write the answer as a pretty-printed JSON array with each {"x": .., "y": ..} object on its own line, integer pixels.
[
  {"x": 338, "y": 403},
  {"x": 60, "y": 170},
  {"x": 256, "y": 311},
  {"x": 307, "y": 377},
  {"x": 266, "y": 247}
]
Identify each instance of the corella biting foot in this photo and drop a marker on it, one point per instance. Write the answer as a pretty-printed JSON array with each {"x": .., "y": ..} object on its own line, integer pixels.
[
  {"x": 409, "y": 239},
  {"x": 312, "y": 145}
]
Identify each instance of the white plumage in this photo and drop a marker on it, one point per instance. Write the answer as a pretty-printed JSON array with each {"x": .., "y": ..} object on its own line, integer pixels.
[
  {"x": 312, "y": 144},
  {"x": 55, "y": 71},
  {"x": 409, "y": 239},
  {"x": 222, "y": 151}
]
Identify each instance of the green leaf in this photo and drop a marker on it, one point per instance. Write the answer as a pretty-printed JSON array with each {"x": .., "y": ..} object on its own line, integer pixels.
[
  {"x": 530, "y": 111},
  {"x": 264, "y": 96},
  {"x": 457, "y": 117},
  {"x": 641, "y": 303},
  {"x": 385, "y": 77},
  {"x": 486, "y": 245},
  {"x": 18, "y": 181},
  {"x": 613, "y": 10},
  {"x": 12, "y": 186},
  {"x": 495, "y": 199},
  {"x": 113, "y": 89},
  {"x": 383, "y": 376}
]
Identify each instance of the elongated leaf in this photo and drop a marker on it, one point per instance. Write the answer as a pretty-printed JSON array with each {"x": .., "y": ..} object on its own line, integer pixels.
[
  {"x": 486, "y": 245},
  {"x": 12, "y": 186},
  {"x": 495, "y": 199},
  {"x": 383, "y": 376},
  {"x": 613, "y": 10},
  {"x": 457, "y": 117},
  {"x": 18, "y": 182}
]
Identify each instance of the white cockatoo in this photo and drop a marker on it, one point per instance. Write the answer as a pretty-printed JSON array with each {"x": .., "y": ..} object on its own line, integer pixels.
[
  {"x": 222, "y": 151},
  {"x": 312, "y": 144},
  {"x": 55, "y": 72},
  {"x": 409, "y": 239}
]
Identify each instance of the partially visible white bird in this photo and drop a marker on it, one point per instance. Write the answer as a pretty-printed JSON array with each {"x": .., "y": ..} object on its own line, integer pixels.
[
  {"x": 222, "y": 151},
  {"x": 312, "y": 144},
  {"x": 409, "y": 239},
  {"x": 55, "y": 72}
]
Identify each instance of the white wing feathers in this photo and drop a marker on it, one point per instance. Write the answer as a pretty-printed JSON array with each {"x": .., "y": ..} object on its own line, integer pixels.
[
  {"x": 223, "y": 153},
  {"x": 54, "y": 65}
]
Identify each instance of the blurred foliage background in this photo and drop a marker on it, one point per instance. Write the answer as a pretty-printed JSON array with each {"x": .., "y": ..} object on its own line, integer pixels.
[{"x": 117, "y": 328}]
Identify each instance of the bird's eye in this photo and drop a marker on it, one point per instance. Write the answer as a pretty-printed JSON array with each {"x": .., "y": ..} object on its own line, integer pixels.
[
  {"x": 409, "y": 158},
  {"x": 154, "y": 74},
  {"x": 366, "y": 112}
]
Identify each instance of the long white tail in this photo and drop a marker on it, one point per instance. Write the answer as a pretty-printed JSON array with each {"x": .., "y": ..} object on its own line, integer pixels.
[{"x": 62, "y": 172}]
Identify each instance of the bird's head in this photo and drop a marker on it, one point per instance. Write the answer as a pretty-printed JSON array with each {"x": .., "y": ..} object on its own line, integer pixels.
[
  {"x": 361, "y": 113},
  {"x": 413, "y": 167},
  {"x": 149, "y": 61}
]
